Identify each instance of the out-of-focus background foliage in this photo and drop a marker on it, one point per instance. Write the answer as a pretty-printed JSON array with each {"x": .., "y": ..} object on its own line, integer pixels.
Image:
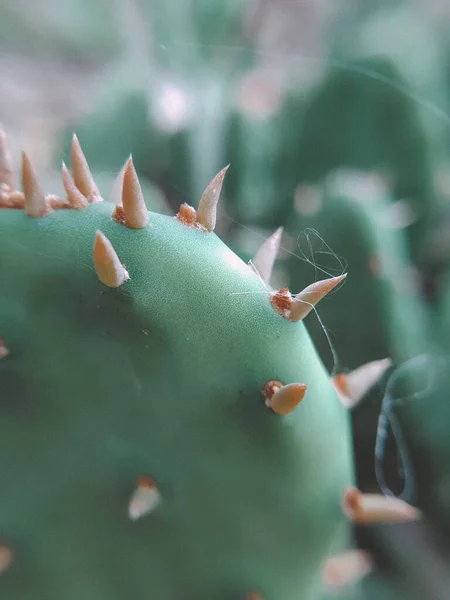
[{"x": 60, "y": 57}]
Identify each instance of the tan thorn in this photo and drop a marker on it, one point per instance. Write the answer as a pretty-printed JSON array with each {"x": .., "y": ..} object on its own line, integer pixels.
[
  {"x": 36, "y": 204},
  {"x": 82, "y": 175},
  {"x": 136, "y": 213},
  {"x": 283, "y": 400},
  {"x": 376, "y": 508},
  {"x": 265, "y": 257},
  {"x": 306, "y": 300},
  {"x": 107, "y": 265},
  {"x": 74, "y": 196},
  {"x": 347, "y": 568},
  {"x": 6, "y": 558},
  {"x": 3, "y": 349},
  {"x": 207, "y": 208},
  {"x": 144, "y": 499},
  {"x": 6, "y": 163},
  {"x": 254, "y": 596},
  {"x": 352, "y": 387}
]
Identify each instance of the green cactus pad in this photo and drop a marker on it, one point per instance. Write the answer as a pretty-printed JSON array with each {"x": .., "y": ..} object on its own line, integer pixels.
[{"x": 162, "y": 377}]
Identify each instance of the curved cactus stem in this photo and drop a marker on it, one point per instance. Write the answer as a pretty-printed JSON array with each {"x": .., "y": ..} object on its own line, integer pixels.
[
  {"x": 265, "y": 257},
  {"x": 144, "y": 499},
  {"x": 305, "y": 301},
  {"x": 375, "y": 508},
  {"x": 107, "y": 265},
  {"x": 82, "y": 175},
  {"x": 134, "y": 208},
  {"x": 74, "y": 196},
  {"x": 207, "y": 208},
  {"x": 36, "y": 204}
]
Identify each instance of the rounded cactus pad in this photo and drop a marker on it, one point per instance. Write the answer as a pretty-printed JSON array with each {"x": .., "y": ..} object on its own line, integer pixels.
[{"x": 166, "y": 433}]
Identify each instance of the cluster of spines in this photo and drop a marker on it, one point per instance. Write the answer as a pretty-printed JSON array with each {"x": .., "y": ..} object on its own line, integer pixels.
[{"x": 282, "y": 398}]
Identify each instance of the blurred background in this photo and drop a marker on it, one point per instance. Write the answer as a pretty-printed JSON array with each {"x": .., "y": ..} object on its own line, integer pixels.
[{"x": 335, "y": 117}]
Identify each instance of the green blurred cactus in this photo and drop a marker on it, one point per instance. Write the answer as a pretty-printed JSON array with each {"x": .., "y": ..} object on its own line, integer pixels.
[
  {"x": 361, "y": 117},
  {"x": 74, "y": 30}
]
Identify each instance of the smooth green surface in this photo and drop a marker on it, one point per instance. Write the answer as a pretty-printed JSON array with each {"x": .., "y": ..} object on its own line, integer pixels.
[{"x": 162, "y": 377}]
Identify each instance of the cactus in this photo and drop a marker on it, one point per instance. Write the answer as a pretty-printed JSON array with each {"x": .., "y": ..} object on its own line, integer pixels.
[
  {"x": 146, "y": 368},
  {"x": 345, "y": 125},
  {"x": 72, "y": 30}
]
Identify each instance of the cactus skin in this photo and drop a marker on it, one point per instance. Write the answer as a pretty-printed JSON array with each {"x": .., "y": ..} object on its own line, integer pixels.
[{"x": 161, "y": 378}]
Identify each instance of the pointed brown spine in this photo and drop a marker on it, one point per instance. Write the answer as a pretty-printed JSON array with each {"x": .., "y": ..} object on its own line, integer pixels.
[
  {"x": 107, "y": 265},
  {"x": 74, "y": 196},
  {"x": 207, "y": 208},
  {"x": 306, "y": 300},
  {"x": 144, "y": 499},
  {"x": 6, "y": 164},
  {"x": 265, "y": 257},
  {"x": 376, "y": 508},
  {"x": 135, "y": 211},
  {"x": 35, "y": 203},
  {"x": 352, "y": 387},
  {"x": 82, "y": 175},
  {"x": 283, "y": 399}
]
